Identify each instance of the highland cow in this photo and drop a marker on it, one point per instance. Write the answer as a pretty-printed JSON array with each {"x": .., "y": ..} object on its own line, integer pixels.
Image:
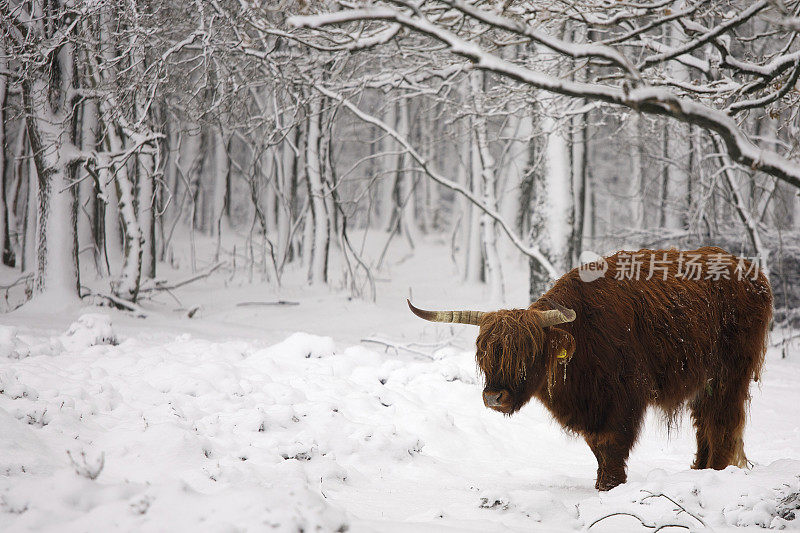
[{"x": 687, "y": 328}]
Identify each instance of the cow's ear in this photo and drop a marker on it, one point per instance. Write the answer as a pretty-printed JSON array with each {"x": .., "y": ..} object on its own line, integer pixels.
[{"x": 561, "y": 344}]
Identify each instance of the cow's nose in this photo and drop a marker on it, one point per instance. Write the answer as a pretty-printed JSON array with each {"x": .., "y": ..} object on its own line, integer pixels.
[{"x": 491, "y": 399}]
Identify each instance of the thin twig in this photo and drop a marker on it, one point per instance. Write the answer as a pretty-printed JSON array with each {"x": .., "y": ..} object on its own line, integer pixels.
[
  {"x": 396, "y": 346},
  {"x": 162, "y": 286},
  {"x": 680, "y": 507}
]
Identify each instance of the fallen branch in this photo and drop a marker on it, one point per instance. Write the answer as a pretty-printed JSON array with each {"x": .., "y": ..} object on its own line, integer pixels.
[
  {"x": 27, "y": 281},
  {"x": 24, "y": 278},
  {"x": 435, "y": 345},
  {"x": 161, "y": 285},
  {"x": 117, "y": 302},
  {"x": 680, "y": 508},
  {"x": 276, "y": 302},
  {"x": 397, "y": 347},
  {"x": 655, "y": 526}
]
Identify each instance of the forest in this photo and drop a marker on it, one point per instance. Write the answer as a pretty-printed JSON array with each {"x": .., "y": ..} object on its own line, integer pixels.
[
  {"x": 212, "y": 213},
  {"x": 603, "y": 125}
]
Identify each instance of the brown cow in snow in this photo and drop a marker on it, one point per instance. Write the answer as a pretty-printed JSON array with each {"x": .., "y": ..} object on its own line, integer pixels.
[{"x": 613, "y": 347}]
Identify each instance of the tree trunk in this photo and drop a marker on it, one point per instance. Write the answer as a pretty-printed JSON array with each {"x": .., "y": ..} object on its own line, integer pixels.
[
  {"x": 389, "y": 174},
  {"x": 665, "y": 176},
  {"x": 5, "y": 241},
  {"x": 19, "y": 178},
  {"x": 553, "y": 210},
  {"x": 406, "y": 187},
  {"x": 110, "y": 236},
  {"x": 171, "y": 189},
  {"x": 637, "y": 183},
  {"x": 31, "y": 215},
  {"x": 87, "y": 190},
  {"x": 473, "y": 268},
  {"x": 221, "y": 176},
  {"x": 126, "y": 286},
  {"x": 677, "y": 146},
  {"x": 641, "y": 131},
  {"x": 51, "y": 138},
  {"x": 145, "y": 207},
  {"x": 220, "y": 222},
  {"x": 579, "y": 174},
  {"x": 520, "y": 131},
  {"x": 318, "y": 269},
  {"x": 287, "y": 163},
  {"x": 485, "y": 163}
]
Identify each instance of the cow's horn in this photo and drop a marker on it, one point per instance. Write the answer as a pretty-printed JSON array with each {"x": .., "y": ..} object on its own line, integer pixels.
[
  {"x": 458, "y": 317},
  {"x": 555, "y": 317}
]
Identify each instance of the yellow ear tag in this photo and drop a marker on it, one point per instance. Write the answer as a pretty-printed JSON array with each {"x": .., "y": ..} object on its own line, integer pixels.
[{"x": 562, "y": 354}]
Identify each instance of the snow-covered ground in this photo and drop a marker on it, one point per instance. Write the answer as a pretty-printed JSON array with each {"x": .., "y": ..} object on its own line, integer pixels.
[{"x": 261, "y": 417}]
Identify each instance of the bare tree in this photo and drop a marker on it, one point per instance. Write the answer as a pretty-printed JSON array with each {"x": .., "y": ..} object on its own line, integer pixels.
[{"x": 38, "y": 36}]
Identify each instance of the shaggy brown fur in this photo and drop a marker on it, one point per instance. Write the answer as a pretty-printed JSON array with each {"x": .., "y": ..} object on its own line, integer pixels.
[{"x": 634, "y": 344}]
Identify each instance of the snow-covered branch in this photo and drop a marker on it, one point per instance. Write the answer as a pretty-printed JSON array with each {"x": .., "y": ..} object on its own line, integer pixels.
[
  {"x": 705, "y": 38},
  {"x": 657, "y": 101},
  {"x": 571, "y": 49}
]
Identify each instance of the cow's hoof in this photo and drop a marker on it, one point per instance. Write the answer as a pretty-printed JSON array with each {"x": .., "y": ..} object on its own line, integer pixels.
[{"x": 608, "y": 483}]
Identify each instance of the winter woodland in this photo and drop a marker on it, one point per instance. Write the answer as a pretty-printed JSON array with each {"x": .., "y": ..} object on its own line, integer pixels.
[{"x": 217, "y": 176}]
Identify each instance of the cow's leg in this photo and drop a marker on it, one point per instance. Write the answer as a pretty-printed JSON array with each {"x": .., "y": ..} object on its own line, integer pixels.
[
  {"x": 725, "y": 398},
  {"x": 701, "y": 457},
  {"x": 611, "y": 451},
  {"x": 724, "y": 423},
  {"x": 741, "y": 357},
  {"x": 699, "y": 409}
]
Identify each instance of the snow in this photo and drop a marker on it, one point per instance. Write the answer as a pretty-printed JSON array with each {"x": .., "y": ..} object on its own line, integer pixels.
[{"x": 253, "y": 418}]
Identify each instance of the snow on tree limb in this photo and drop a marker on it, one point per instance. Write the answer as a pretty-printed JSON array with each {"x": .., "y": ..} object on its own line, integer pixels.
[
  {"x": 738, "y": 107},
  {"x": 743, "y": 17},
  {"x": 650, "y": 100},
  {"x": 574, "y": 50}
]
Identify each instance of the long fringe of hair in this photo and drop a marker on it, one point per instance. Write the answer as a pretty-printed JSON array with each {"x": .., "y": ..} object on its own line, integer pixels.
[{"x": 509, "y": 339}]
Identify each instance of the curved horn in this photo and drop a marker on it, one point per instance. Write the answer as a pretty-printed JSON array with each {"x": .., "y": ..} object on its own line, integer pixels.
[
  {"x": 555, "y": 317},
  {"x": 458, "y": 317}
]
